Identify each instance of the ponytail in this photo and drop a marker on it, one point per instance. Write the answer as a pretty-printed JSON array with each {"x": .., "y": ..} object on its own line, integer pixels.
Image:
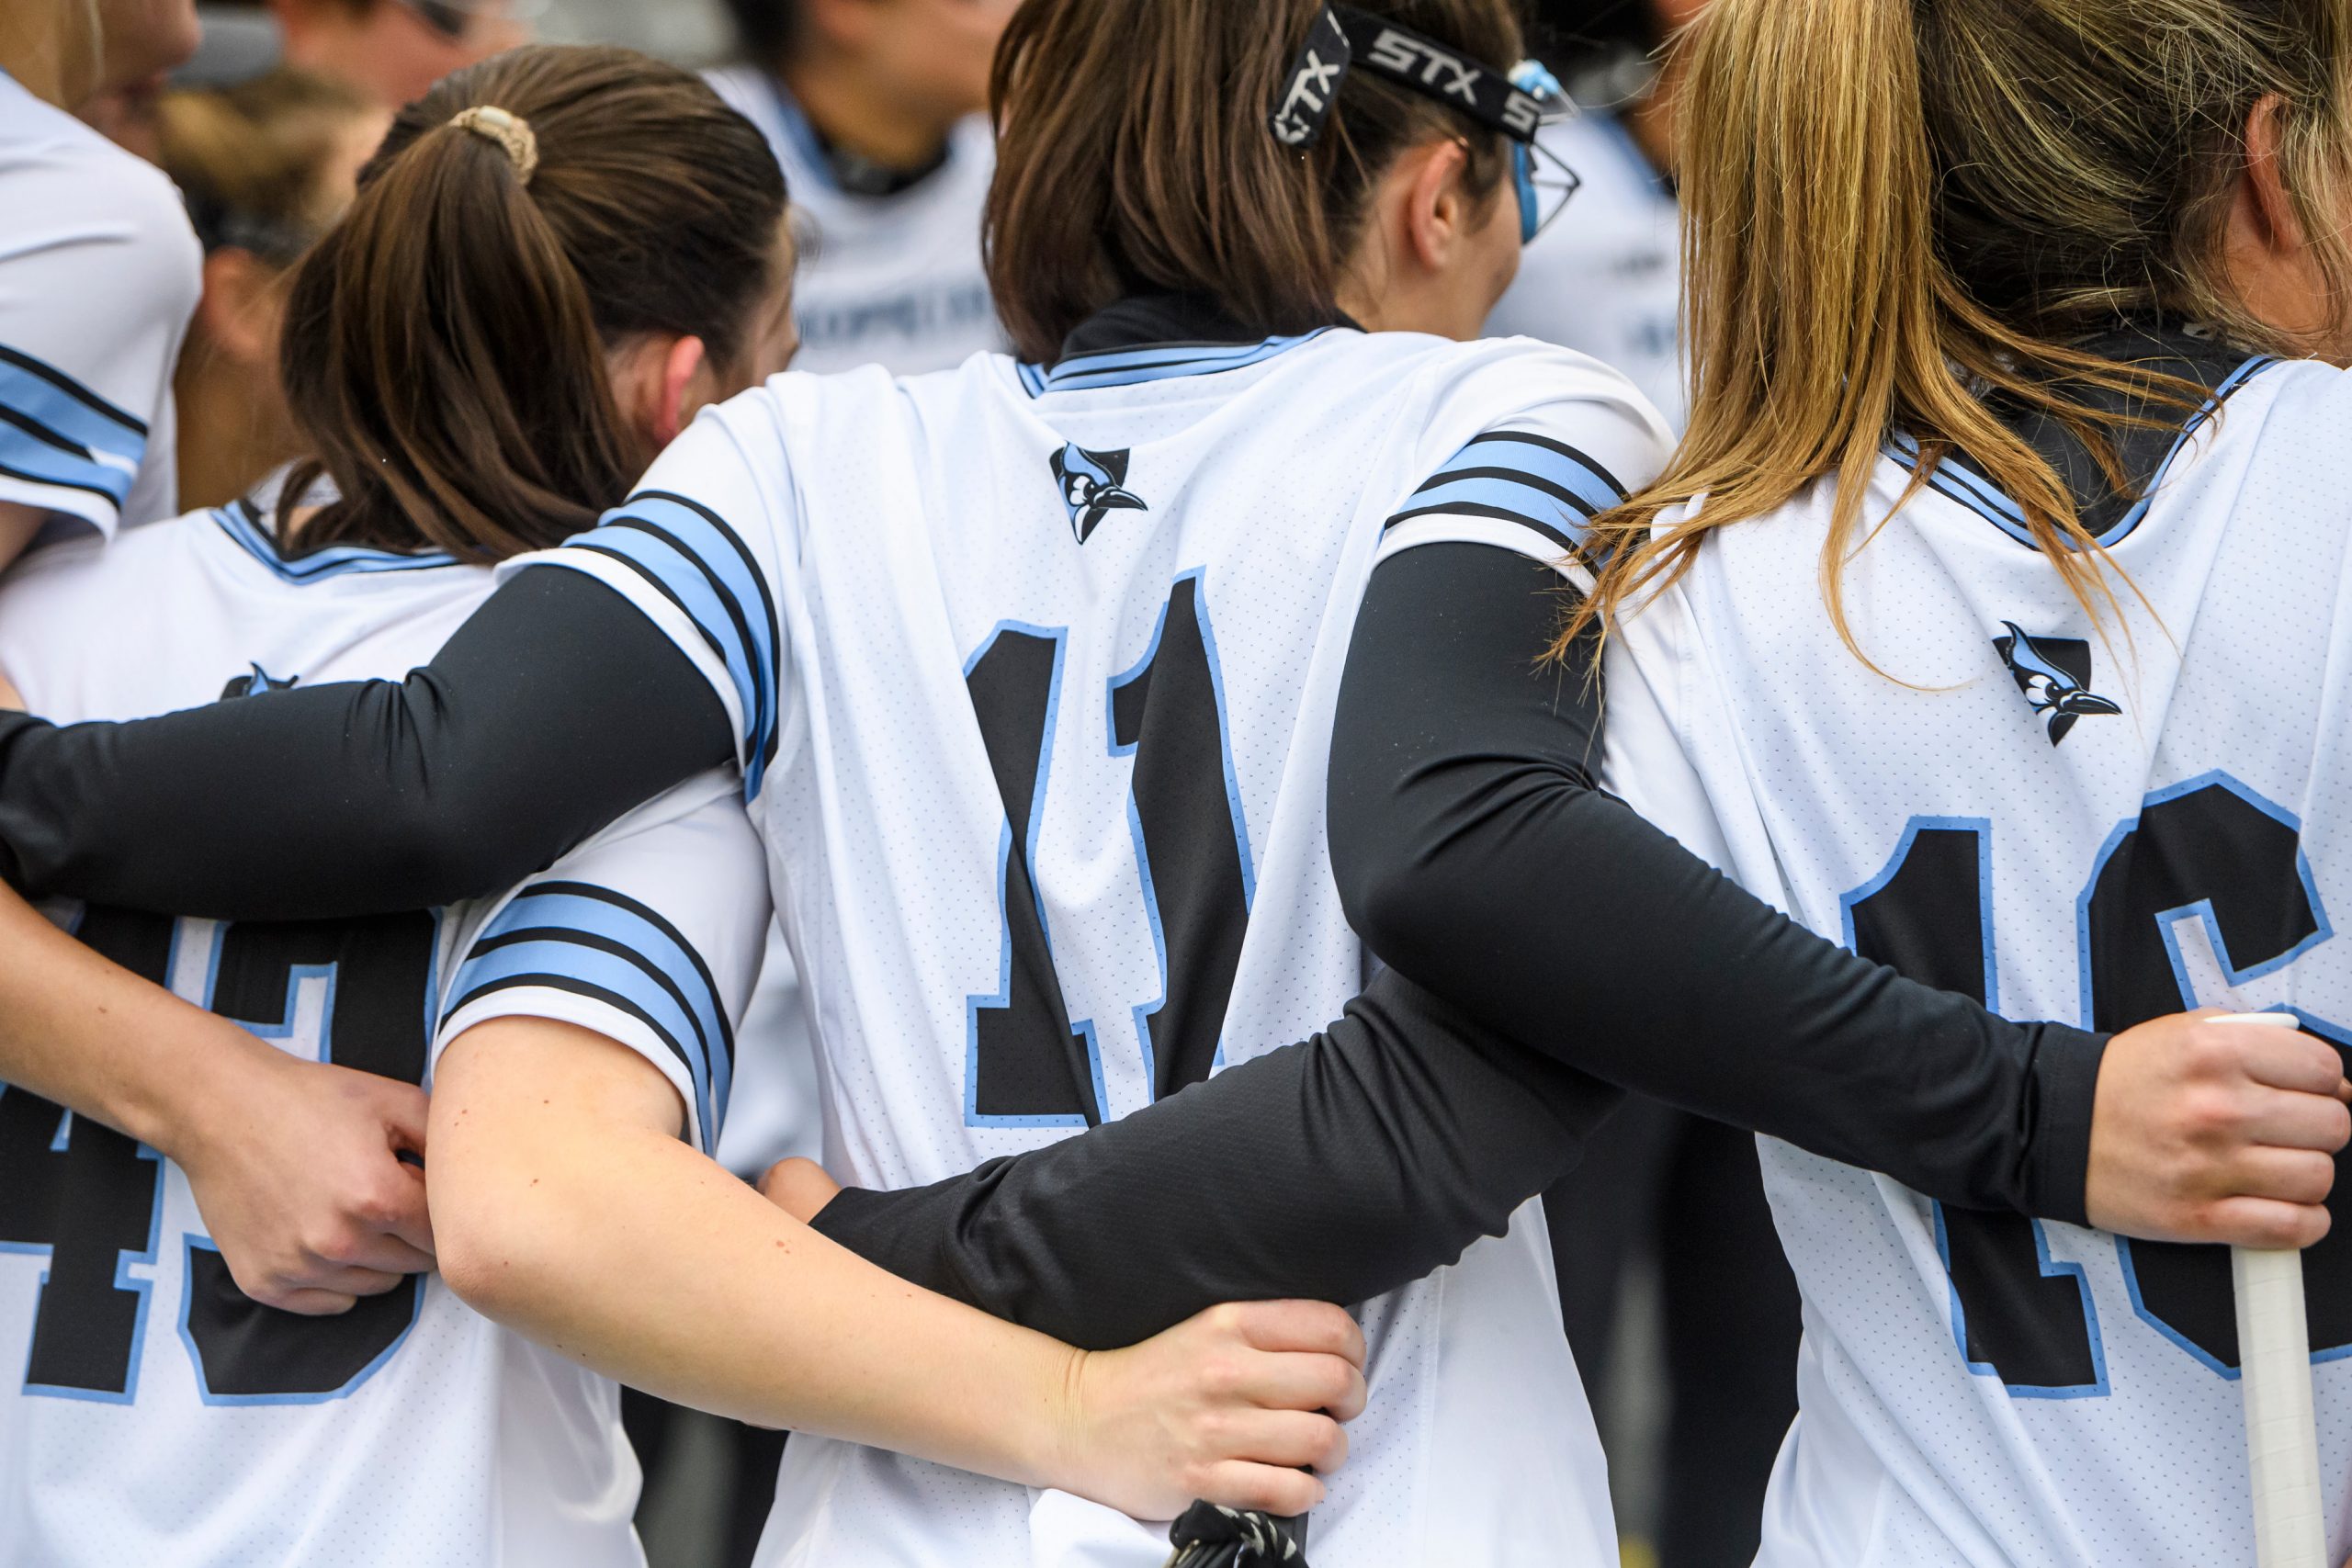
[
  {"x": 1900, "y": 219},
  {"x": 1182, "y": 188},
  {"x": 446, "y": 344}
]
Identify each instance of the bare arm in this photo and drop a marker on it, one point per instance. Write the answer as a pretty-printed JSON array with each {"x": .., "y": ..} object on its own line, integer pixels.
[
  {"x": 568, "y": 1210},
  {"x": 295, "y": 1165}
]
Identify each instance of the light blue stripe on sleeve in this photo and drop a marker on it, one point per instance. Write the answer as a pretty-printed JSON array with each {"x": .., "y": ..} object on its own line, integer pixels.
[
  {"x": 522, "y": 962},
  {"x": 1543, "y": 462},
  {"x": 26, "y": 455},
  {"x": 537, "y": 910},
  {"x": 1505, "y": 495},
  {"x": 42, "y": 400}
]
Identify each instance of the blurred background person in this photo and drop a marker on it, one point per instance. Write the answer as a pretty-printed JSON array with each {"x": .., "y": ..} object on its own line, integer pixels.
[
  {"x": 876, "y": 109},
  {"x": 1678, "y": 1300},
  {"x": 393, "y": 50},
  {"x": 265, "y": 166},
  {"x": 1607, "y": 280}
]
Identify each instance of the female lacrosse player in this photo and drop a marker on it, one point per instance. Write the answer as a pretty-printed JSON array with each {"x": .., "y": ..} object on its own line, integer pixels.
[
  {"x": 1031, "y": 671},
  {"x": 571, "y": 250}
]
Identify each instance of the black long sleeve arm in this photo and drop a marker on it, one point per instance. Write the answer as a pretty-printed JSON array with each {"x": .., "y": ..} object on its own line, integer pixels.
[
  {"x": 1475, "y": 853},
  {"x": 551, "y": 712}
]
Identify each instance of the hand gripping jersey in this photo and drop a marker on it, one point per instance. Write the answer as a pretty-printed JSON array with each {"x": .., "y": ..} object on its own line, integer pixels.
[
  {"x": 893, "y": 279},
  {"x": 99, "y": 273},
  {"x": 1608, "y": 280},
  {"x": 152, "y": 1413},
  {"x": 1034, "y": 673},
  {"x": 2091, "y": 823}
]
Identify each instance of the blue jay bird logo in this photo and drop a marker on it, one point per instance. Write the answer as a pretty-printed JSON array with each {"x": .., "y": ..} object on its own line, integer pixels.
[
  {"x": 2054, "y": 674},
  {"x": 1093, "y": 486},
  {"x": 260, "y": 681}
]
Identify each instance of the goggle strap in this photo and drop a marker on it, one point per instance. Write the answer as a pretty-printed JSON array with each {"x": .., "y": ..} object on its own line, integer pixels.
[{"x": 1342, "y": 38}]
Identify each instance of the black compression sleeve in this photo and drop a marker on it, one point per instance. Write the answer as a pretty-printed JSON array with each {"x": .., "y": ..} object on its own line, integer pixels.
[
  {"x": 1474, "y": 851},
  {"x": 1333, "y": 1170},
  {"x": 554, "y": 710}
]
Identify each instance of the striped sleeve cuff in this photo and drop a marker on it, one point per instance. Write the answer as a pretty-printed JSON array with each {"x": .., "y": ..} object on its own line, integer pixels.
[
  {"x": 588, "y": 955},
  {"x": 63, "y": 447},
  {"x": 686, "y": 556},
  {"x": 1515, "y": 488}
]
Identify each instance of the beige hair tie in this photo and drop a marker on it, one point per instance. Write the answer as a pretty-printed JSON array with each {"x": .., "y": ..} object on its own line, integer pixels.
[{"x": 512, "y": 133}]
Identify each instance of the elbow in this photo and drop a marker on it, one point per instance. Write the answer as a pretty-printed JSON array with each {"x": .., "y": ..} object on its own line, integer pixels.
[
  {"x": 1388, "y": 904},
  {"x": 492, "y": 1237}
]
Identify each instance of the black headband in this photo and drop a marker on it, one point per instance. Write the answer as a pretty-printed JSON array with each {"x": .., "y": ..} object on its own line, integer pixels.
[{"x": 1344, "y": 38}]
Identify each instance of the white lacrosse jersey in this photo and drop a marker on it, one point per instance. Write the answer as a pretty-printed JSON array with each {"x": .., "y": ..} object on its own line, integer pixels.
[
  {"x": 151, "y": 1412},
  {"x": 1034, "y": 673},
  {"x": 891, "y": 280},
  {"x": 2093, "y": 824},
  {"x": 1606, "y": 277},
  {"x": 99, "y": 273}
]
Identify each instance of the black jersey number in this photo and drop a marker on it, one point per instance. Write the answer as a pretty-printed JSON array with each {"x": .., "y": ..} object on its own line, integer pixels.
[
  {"x": 91, "y": 1199},
  {"x": 2209, "y": 849},
  {"x": 1030, "y": 1066}
]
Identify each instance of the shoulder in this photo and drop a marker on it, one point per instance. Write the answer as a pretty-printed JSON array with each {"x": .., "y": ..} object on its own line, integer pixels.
[
  {"x": 1521, "y": 384},
  {"x": 77, "y": 199}
]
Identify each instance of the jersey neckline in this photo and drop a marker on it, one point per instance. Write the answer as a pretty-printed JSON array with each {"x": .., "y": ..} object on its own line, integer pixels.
[
  {"x": 1158, "y": 337},
  {"x": 2147, "y": 455},
  {"x": 240, "y": 520}
]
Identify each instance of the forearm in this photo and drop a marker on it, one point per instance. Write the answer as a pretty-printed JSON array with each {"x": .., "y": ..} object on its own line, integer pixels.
[
  {"x": 577, "y": 1221},
  {"x": 84, "y": 1032},
  {"x": 556, "y": 708},
  {"x": 1475, "y": 853},
  {"x": 1335, "y": 1170}
]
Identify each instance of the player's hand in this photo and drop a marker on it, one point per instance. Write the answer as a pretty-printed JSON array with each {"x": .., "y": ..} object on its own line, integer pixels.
[
  {"x": 1228, "y": 1406},
  {"x": 799, "y": 1187},
  {"x": 2216, "y": 1133},
  {"x": 296, "y": 1171}
]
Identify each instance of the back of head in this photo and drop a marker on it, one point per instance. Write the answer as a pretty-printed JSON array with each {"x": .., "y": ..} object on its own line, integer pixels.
[
  {"x": 1183, "y": 188},
  {"x": 446, "y": 344},
  {"x": 1902, "y": 215}
]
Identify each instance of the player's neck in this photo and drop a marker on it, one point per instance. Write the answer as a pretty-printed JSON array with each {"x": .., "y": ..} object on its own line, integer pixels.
[
  {"x": 50, "y": 47},
  {"x": 857, "y": 114}
]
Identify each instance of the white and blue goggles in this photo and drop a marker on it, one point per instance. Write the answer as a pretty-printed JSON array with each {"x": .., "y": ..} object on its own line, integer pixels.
[{"x": 1516, "y": 107}]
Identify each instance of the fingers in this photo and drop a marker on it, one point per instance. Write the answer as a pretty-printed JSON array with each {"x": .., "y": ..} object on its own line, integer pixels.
[
  {"x": 385, "y": 1253},
  {"x": 1235, "y": 1484},
  {"x": 799, "y": 1187},
  {"x": 404, "y": 1108},
  {"x": 1289, "y": 1379},
  {"x": 400, "y": 1214},
  {"x": 1316, "y": 1327},
  {"x": 314, "y": 1303},
  {"x": 2288, "y": 1059},
  {"x": 2261, "y": 1223},
  {"x": 2279, "y": 1119}
]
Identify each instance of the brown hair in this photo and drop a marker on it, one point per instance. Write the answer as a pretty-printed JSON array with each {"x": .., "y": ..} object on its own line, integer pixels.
[
  {"x": 446, "y": 344},
  {"x": 252, "y": 159},
  {"x": 1136, "y": 156},
  {"x": 1903, "y": 216}
]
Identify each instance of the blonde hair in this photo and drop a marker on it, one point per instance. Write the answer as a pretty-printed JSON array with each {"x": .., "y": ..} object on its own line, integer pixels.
[{"x": 1903, "y": 216}]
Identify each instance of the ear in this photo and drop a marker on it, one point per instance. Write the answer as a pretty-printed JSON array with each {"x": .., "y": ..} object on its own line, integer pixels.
[
  {"x": 239, "y": 308},
  {"x": 656, "y": 380},
  {"x": 1437, "y": 209},
  {"x": 2266, "y": 212}
]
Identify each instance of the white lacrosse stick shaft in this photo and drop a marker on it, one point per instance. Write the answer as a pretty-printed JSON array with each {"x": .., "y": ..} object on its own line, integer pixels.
[{"x": 2273, "y": 1358}]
